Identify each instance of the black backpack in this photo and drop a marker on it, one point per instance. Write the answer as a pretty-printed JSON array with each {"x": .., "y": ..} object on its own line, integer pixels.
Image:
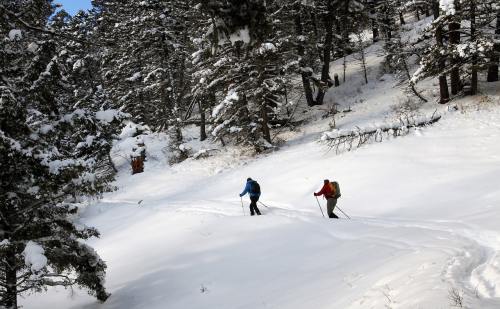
[
  {"x": 254, "y": 187},
  {"x": 337, "y": 189}
]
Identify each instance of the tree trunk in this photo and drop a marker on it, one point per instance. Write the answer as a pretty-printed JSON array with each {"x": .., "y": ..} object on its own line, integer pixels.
[
  {"x": 265, "y": 123},
  {"x": 454, "y": 29},
  {"x": 345, "y": 30},
  {"x": 388, "y": 23},
  {"x": 375, "y": 32},
  {"x": 432, "y": 8},
  {"x": 336, "y": 80},
  {"x": 344, "y": 68},
  {"x": 401, "y": 18},
  {"x": 203, "y": 132},
  {"x": 435, "y": 9},
  {"x": 444, "y": 95},
  {"x": 362, "y": 57},
  {"x": 427, "y": 11},
  {"x": 10, "y": 296},
  {"x": 325, "y": 71},
  {"x": 262, "y": 98},
  {"x": 363, "y": 64},
  {"x": 306, "y": 81},
  {"x": 373, "y": 18},
  {"x": 473, "y": 90},
  {"x": 495, "y": 55}
]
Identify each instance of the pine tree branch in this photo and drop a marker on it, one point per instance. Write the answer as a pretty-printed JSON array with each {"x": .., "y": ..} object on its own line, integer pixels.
[
  {"x": 25, "y": 24},
  {"x": 43, "y": 30}
]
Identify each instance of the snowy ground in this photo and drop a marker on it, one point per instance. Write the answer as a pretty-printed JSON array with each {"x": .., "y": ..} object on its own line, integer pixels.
[
  {"x": 425, "y": 210},
  {"x": 425, "y": 214}
]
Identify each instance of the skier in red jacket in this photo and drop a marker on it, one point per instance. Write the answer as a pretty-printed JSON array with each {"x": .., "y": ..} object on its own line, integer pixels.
[{"x": 328, "y": 191}]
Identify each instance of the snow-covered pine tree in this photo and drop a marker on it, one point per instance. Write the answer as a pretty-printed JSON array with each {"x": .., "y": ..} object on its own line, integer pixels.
[
  {"x": 327, "y": 10},
  {"x": 495, "y": 53},
  {"x": 146, "y": 50},
  {"x": 351, "y": 18},
  {"x": 166, "y": 32},
  {"x": 305, "y": 45},
  {"x": 209, "y": 66},
  {"x": 253, "y": 83},
  {"x": 322, "y": 29},
  {"x": 371, "y": 7},
  {"x": 399, "y": 50},
  {"x": 53, "y": 146},
  {"x": 386, "y": 12},
  {"x": 119, "y": 33},
  {"x": 433, "y": 61},
  {"x": 80, "y": 59},
  {"x": 470, "y": 43},
  {"x": 397, "y": 60},
  {"x": 470, "y": 55}
]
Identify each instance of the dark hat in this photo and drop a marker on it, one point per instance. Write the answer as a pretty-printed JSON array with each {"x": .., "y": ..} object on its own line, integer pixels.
[
  {"x": 248, "y": 179},
  {"x": 326, "y": 180}
]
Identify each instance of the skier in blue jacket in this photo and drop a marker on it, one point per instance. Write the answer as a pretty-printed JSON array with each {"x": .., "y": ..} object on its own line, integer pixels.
[{"x": 253, "y": 190}]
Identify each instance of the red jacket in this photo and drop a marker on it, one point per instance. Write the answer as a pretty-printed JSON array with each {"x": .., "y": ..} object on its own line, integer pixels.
[{"x": 327, "y": 191}]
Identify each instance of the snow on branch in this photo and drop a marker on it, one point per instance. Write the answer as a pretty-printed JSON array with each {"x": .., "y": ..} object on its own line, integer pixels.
[
  {"x": 350, "y": 139},
  {"x": 34, "y": 256}
]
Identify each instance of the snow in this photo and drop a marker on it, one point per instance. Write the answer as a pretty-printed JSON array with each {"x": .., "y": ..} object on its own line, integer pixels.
[
  {"x": 235, "y": 129},
  {"x": 32, "y": 47},
  {"x": 87, "y": 143},
  {"x": 134, "y": 77},
  {"x": 33, "y": 190},
  {"x": 267, "y": 47},
  {"x": 78, "y": 113},
  {"x": 221, "y": 126},
  {"x": 242, "y": 35},
  {"x": 133, "y": 140},
  {"x": 424, "y": 221},
  {"x": 34, "y": 256},
  {"x": 78, "y": 64},
  {"x": 228, "y": 100},
  {"x": 46, "y": 128},
  {"x": 107, "y": 116},
  {"x": 15, "y": 35},
  {"x": 447, "y": 6},
  {"x": 55, "y": 166}
]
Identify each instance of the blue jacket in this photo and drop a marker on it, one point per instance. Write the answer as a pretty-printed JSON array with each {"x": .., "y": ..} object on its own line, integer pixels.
[{"x": 248, "y": 186}]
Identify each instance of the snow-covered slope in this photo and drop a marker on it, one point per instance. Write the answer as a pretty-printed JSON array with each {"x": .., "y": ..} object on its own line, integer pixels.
[{"x": 425, "y": 210}]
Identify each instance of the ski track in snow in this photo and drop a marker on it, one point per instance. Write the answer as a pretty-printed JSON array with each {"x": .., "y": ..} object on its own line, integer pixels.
[{"x": 472, "y": 264}]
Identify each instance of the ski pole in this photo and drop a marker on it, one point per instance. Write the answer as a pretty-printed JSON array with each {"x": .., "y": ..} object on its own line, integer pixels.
[
  {"x": 242, "y": 208},
  {"x": 343, "y": 212},
  {"x": 319, "y": 205},
  {"x": 264, "y": 204}
]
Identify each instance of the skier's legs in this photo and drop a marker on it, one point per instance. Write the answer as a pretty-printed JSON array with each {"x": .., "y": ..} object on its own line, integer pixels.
[
  {"x": 253, "y": 205},
  {"x": 330, "y": 206}
]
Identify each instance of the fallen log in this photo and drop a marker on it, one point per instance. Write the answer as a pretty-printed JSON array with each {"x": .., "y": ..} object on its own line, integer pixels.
[{"x": 351, "y": 139}]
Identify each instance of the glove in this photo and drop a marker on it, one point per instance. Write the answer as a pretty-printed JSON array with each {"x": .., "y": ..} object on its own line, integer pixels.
[
  {"x": 315, "y": 194},
  {"x": 240, "y": 195}
]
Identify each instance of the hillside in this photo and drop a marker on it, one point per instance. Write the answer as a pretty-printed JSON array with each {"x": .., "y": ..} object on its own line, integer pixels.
[
  {"x": 424, "y": 224},
  {"x": 129, "y": 131}
]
